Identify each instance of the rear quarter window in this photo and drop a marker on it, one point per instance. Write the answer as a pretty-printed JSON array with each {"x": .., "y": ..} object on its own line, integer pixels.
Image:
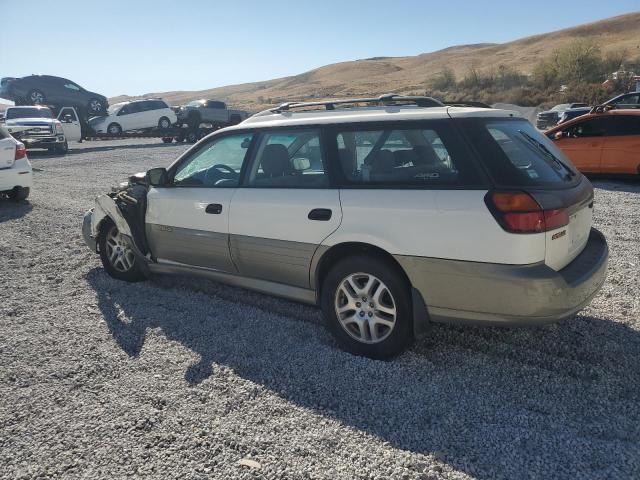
[{"x": 516, "y": 154}]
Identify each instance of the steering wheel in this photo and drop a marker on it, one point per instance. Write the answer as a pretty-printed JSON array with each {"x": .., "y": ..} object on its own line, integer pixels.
[{"x": 220, "y": 168}]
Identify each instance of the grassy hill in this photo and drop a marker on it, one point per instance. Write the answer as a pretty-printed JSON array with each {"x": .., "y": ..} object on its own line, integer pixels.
[{"x": 408, "y": 74}]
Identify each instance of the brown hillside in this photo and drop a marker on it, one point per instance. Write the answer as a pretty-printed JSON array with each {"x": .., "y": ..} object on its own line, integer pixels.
[{"x": 408, "y": 74}]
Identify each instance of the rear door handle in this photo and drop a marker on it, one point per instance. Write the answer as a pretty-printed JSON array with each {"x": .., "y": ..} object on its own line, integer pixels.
[
  {"x": 320, "y": 214},
  {"x": 214, "y": 208}
]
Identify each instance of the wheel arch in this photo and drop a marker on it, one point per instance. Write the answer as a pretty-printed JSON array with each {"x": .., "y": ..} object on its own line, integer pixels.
[{"x": 325, "y": 258}]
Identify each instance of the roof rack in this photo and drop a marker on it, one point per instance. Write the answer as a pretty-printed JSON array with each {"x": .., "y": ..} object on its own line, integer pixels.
[
  {"x": 601, "y": 108},
  {"x": 468, "y": 103},
  {"x": 389, "y": 98}
]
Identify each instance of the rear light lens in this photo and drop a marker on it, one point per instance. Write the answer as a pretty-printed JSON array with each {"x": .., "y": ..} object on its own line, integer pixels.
[
  {"x": 21, "y": 152},
  {"x": 518, "y": 212}
]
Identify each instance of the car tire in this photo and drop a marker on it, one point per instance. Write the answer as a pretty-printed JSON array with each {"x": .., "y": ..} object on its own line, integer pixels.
[
  {"x": 192, "y": 136},
  {"x": 36, "y": 97},
  {"x": 19, "y": 194},
  {"x": 194, "y": 120},
  {"x": 95, "y": 106},
  {"x": 167, "y": 140},
  {"x": 375, "y": 318},
  {"x": 114, "y": 129},
  {"x": 61, "y": 149},
  {"x": 117, "y": 258},
  {"x": 164, "y": 122}
]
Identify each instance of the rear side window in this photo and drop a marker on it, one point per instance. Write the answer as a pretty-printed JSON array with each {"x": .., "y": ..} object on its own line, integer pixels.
[
  {"x": 626, "y": 125},
  {"x": 397, "y": 156},
  {"x": 516, "y": 154},
  {"x": 594, "y": 127}
]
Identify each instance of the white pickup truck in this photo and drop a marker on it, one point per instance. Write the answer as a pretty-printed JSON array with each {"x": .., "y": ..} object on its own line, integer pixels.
[{"x": 37, "y": 127}]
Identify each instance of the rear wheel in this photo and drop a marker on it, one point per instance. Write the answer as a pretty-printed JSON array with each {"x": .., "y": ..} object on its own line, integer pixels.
[
  {"x": 164, "y": 122},
  {"x": 117, "y": 256},
  {"x": 19, "y": 193},
  {"x": 366, "y": 303},
  {"x": 192, "y": 136},
  {"x": 167, "y": 139}
]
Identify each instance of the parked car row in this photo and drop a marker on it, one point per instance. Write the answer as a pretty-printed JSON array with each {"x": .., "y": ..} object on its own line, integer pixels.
[
  {"x": 604, "y": 141},
  {"x": 567, "y": 111}
]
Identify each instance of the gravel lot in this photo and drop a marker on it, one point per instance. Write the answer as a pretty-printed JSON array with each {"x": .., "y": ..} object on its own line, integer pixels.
[{"x": 180, "y": 378}]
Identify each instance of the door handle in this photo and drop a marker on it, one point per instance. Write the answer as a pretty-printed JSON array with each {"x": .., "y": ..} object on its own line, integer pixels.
[
  {"x": 214, "y": 208},
  {"x": 320, "y": 214}
]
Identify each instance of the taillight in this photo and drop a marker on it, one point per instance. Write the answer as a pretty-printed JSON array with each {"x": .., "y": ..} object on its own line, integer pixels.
[
  {"x": 21, "y": 152},
  {"x": 518, "y": 212}
]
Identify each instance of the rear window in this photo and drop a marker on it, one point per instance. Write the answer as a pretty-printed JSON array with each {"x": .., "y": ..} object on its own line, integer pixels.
[
  {"x": 427, "y": 155},
  {"x": 516, "y": 154}
]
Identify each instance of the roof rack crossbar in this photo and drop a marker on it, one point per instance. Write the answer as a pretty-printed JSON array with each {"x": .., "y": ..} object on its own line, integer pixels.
[{"x": 381, "y": 100}]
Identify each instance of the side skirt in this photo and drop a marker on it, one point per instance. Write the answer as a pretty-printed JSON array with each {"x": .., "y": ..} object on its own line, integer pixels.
[{"x": 297, "y": 294}]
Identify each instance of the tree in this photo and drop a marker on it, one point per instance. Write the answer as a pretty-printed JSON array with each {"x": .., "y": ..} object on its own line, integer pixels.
[
  {"x": 443, "y": 80},
  {"x": 579, "y": 61}
]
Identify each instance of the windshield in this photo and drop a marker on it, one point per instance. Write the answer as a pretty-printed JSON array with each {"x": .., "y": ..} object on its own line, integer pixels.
[
  {"x": 195, "y": 103},
  {"x": 29, "y": 113},
  {"x": 562, "y": 106},
  {"x": 114, "y": 108}
]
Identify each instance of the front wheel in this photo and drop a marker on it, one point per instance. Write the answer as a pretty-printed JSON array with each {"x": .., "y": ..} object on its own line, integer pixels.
[
  {"x": 62, "y": 148},
  {"x": 117, "y": 256},
  {"x": 95, "y": 106},
  {"x": 19, "y": 194},
  {"x": 366, "y": 303},
  {"x": 114, "y": 129}
]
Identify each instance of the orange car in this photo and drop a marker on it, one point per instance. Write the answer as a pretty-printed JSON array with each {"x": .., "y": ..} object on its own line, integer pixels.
[{"x": 605, "y": 142}]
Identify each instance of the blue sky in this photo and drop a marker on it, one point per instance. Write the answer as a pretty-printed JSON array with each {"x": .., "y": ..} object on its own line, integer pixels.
[{"x": 141, "y": 46}]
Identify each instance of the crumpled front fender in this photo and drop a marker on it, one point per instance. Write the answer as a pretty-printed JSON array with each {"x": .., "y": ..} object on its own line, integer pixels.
[{"x": 106, "y": 207}]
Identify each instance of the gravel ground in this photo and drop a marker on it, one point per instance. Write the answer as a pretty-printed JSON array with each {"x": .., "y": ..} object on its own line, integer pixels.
[{"x": 180, "y": 378}]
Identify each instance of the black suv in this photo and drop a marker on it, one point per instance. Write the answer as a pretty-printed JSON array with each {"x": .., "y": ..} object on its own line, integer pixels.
[{"x": 56, "y": 91}]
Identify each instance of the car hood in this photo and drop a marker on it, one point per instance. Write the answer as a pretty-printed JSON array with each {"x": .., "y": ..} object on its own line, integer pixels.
[{"x": 30, "y": 121}]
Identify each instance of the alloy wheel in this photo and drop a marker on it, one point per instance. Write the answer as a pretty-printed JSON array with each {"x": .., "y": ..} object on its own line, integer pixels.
[
  {"x": 119, "y": 252},
  {"x": 365, "y": 308}
]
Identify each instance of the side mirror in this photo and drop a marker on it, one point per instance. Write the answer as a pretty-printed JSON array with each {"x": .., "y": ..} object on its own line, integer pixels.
[
  {"x": 558, "y": 135},
  {"x": 157, "y": 177}
]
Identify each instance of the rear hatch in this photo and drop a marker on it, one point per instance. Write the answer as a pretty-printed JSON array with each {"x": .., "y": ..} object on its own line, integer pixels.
[{"x": 520, "y": 160}]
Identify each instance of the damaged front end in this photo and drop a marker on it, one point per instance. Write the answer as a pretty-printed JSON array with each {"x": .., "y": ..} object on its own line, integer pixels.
[{"x": 126, "y": 207}]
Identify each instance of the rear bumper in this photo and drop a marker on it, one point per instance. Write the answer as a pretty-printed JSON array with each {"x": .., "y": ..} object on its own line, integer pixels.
[
  {"x": 19, "y": 175},
  {"x": 493, "y": 294}
]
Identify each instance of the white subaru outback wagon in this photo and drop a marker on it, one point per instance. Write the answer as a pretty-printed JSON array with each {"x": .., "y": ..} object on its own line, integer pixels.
[{"x": 389, "y": 213}]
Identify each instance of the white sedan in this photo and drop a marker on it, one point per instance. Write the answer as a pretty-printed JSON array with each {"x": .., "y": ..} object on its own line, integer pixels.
[{"x": 16, "y": 177}]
